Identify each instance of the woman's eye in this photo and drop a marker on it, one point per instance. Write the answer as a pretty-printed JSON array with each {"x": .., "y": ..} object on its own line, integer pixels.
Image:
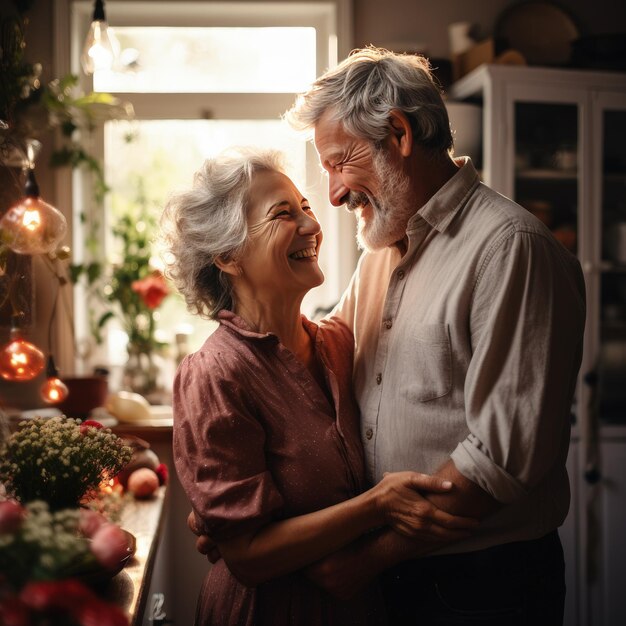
[
  {"x": 283, "y": 214},
  {"x": 307, "y": 208}
]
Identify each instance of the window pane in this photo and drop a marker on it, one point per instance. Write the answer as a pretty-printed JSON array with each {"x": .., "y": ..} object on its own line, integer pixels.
[
  {"x": 211, "y": 60},
  {"x": 161, "y": 158}
]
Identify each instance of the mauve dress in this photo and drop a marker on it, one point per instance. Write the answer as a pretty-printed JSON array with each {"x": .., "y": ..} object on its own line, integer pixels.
[{"x": 255, "y": 440}]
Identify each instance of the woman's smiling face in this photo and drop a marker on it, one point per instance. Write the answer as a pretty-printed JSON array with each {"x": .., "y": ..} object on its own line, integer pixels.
[{"x": 284, "y": 239}]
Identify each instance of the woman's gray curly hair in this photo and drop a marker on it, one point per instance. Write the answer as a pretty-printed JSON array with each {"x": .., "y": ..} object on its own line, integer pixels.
[
  {"x": 365, "y": 87},
  {"x": 208, "y": 221}
]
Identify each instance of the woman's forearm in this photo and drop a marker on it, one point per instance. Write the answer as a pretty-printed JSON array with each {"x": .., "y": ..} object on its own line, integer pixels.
[{"x": 289, "y": 545}]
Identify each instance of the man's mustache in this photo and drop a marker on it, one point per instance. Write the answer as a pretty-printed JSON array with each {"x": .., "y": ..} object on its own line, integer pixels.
[{"x": 355, "y": 200}]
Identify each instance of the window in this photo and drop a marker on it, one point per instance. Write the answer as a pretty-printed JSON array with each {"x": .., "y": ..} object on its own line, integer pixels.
[{"x": 203, "y": 76}]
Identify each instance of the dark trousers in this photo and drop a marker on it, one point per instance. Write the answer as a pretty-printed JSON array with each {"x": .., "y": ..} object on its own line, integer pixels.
[{"x": 515, "y": 584}]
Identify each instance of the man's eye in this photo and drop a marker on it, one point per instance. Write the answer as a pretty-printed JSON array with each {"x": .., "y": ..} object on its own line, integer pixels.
[
  {"x": 282, "y": 214},
  {"x": 307, "y": 208}
]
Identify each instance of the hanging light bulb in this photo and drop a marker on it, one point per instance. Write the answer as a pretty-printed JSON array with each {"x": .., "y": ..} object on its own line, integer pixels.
[
  {"x": 32, "y": 226},
  {"x": 54, "y": 389},
  {"x": 101, "y": 46},
  {"x": 20, "y": 360}
]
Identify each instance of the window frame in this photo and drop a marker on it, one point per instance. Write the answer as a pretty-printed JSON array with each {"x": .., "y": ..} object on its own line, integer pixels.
[{"x": 332, "y": 20}]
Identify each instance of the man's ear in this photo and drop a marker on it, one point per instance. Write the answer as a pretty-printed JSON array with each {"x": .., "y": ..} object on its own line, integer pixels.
[
  {"x": 228, "y": 266},
  {"x": 401, "y": 132}
]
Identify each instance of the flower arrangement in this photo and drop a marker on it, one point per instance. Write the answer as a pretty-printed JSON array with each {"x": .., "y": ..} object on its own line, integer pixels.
[
  {"x": 134, "y": 290},
  {"x": 60, "y": 460},
  {"x": 40, "y": 550}
]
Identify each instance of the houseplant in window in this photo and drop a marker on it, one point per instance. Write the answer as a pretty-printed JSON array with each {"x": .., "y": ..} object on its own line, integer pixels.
[{"x": 135, "y": 289}]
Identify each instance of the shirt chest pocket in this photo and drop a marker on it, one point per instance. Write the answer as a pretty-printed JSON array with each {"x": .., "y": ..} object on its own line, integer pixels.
[{"x": 429, "y": 371}]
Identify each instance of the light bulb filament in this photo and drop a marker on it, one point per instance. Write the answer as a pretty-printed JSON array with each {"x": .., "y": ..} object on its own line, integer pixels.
[{"x": 31, "y": 220}]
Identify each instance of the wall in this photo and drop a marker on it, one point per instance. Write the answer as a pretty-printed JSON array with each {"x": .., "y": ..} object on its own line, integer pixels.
[{"x": 425, "y": 21}]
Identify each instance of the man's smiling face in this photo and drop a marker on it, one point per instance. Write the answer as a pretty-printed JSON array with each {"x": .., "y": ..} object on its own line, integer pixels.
[{"x": 364, "y": 179}]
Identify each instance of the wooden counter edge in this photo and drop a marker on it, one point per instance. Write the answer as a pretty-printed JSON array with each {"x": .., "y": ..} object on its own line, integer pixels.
[{"x": 129, "y": 589}]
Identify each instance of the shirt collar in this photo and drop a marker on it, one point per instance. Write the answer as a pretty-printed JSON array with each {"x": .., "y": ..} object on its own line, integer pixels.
[
  {"x": 440, "y": 210},
  {"x": 241, "y": 327}
]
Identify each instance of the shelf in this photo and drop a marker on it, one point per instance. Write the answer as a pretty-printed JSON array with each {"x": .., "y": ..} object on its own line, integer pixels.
[
  {"x": 546, "y": 174},
  {"x": 614, "y": 177},
  {"x": 612, "y": 268}
]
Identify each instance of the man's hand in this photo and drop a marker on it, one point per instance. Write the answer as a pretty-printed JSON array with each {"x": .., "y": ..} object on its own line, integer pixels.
[
  {"x": 340, "y": 574},
  {"x": 409, "y": 513},
  {"x": 204, "y": 544},
  {"x": 351, "y": 569}
]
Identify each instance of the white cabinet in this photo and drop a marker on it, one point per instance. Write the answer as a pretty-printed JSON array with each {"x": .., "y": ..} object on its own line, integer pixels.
[{"x": 553, "y": 141}]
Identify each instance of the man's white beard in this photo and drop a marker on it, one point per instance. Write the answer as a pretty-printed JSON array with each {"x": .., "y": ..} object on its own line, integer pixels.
[{"x": 390, "y": 212}]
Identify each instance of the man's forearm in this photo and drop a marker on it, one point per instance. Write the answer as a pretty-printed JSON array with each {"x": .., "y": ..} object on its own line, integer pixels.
[{"x": 465, "y": 498}]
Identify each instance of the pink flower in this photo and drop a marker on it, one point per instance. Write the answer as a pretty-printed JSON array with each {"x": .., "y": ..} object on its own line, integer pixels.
[
  {"x": 89, "y": 522},
  {"x": 12, "y": 515},
  {"x": 109, "y": 545},
  {"x": 152, "y": 289}
]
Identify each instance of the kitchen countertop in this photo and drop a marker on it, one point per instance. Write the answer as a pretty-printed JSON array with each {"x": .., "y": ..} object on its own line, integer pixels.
[{"x": 129, "y": 588}]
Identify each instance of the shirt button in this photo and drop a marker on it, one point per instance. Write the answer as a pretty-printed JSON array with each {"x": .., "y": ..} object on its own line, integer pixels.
[
  {"x": 388, "y": 324},
  {"x": 401, "y": 274},
  {"x": 379, "y": 378},
  {"x": 369, "y": 433}
]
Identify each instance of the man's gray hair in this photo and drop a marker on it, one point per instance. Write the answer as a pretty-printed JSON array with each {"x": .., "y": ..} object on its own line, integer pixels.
[
  {"x": 207, "y": 222},
  {"x": 362, "y": 91}
]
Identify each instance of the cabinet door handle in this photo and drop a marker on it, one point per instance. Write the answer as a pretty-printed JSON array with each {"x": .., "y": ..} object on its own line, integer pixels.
[{"x": 592, "y": 475}]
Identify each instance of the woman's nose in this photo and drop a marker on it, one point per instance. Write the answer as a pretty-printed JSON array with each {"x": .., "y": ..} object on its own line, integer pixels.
[
  {"x": 337, "y": 191},
  {"x": 308, "y": 225}
]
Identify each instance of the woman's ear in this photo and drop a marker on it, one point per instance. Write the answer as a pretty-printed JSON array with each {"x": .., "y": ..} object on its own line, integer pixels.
[
  {"x": 401, "y": 132},
  {"x": 228, "y": 266}
]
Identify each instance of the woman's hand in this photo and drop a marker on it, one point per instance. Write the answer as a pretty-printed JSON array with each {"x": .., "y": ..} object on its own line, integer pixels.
[
  {"x": 402, "y": 506},
  {"x": 204, "y": 544}
]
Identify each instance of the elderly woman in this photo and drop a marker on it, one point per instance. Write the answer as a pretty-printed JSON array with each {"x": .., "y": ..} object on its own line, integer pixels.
[{"x": 266, "y": 440}]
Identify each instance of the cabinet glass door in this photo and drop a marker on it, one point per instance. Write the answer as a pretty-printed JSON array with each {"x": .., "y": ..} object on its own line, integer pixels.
[
  {"x": 546, "y": 166},
  {"x": 612, "y": 358}
]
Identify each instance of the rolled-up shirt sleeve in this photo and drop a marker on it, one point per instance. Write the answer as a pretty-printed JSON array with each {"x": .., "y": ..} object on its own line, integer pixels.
[
  {"x": 219, "y": 450},
  {"x": 526, "y": 324}
]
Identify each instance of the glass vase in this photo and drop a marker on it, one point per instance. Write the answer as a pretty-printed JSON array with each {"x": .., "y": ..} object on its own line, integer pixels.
[{"x": 140, "y": 372}]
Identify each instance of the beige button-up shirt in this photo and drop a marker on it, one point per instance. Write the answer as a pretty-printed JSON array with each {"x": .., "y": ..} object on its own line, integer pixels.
[{"x": 468, "y": 348}]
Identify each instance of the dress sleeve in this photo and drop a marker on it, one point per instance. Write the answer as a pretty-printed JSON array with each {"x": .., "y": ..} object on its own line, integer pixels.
[
  {"x": 527, "y": 323},
  {"x": 219, "y": 449}
]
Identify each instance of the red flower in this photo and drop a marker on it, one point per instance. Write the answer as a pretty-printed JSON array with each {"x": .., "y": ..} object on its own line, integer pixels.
[
  {"x": 94, "y": 612},
  {"x": 152, "y": 289},
  {"x": 13, "y": 612},
  {"x": 162, "y": 472},
  {"x": 53, "y": 595},
  {"x": 74, "y": 599},
  {"x": 87, "y": 424}
]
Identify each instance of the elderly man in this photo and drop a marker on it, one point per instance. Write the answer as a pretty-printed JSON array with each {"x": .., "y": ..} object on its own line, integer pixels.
[{"x": 468, "y": 319}]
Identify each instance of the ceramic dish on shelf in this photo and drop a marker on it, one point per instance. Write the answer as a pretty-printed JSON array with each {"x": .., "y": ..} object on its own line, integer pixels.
[{"x": 541, "y": 31}]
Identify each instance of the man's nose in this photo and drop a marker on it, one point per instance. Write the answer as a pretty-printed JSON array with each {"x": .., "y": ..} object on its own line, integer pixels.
[{"x": 337, "y": 191}]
